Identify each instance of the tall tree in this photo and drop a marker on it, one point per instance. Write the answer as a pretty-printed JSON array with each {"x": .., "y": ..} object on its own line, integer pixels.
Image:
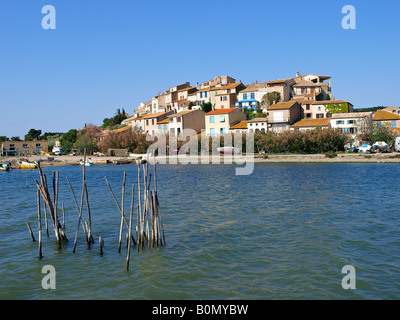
[
  {"x": 33, "y": 134},
  {"x": 270, "y": 98}
]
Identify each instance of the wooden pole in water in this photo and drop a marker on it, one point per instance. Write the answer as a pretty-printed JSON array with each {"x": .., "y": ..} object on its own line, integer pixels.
[
  {"x": 63, "y": 212},
  {"x": 139, "y": 214},
  {"x": 122, "y": 213},
  {"x": 101, "y": 243},
  {"x": 79, "y": 209},
  {"x": 46, "y": 197},
  {"x": 130, "y": 230},
  {"x": 45, "y": 218},
  {"x": 161, "y": 222},
  {"x": 39, "y": 224},
  {"x": 119, "y": 208},
  {"x": 30, "y": 231},
  {"x": 137, "y": 227}
]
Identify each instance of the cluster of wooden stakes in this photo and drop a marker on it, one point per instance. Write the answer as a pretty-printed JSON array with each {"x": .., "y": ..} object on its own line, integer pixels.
[{"x": 149, "y": 224}]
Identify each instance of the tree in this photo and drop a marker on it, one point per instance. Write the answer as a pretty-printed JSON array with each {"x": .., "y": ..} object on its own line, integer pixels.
[
  {"x": 190, "y": 105},
  {"x": 382, "y": 132},
  {"x": 33, "y": 134},
  {"x": 85, "y": 142},
  {"x": 88, "y": 138},
  {"x": 116, "y": 120},
  {"x": 3, "y": 138},
  {"x": 68, "y": 139},
  {"x": 270, "y": 98},
  {"x": 16, "y": 138},
  {"x": 206, "y": 107}
]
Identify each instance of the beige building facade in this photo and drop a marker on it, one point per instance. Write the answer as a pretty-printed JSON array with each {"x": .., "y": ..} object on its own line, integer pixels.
[
  {"x": 23, "y": 148},
  {"x": 218, "y": 122},
  {"x": 190, "y": 119}
]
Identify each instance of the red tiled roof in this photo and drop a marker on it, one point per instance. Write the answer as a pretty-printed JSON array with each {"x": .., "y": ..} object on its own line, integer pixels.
[{"x": 220, "y": 111}]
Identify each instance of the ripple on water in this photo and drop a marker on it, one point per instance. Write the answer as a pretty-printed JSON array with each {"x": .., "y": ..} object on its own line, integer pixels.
[{"x": 284, "y": 232}]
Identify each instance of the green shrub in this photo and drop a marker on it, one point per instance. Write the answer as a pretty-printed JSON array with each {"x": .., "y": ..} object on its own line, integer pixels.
[{"x": 331, "y": 155}]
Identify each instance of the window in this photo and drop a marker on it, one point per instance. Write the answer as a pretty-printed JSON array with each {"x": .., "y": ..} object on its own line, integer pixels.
[
  {"x": 147, "y": 122},
  {"x": 307, "y": 107},
  {"x": 393, "y": 123},
  {"x": 201, "y": 94},
  {"x": 152, "y": 122},
  {"x": 221, "y": 118},
  {"x": 179, "y": 119},
  {"x": 319, "y": 115},
  {"x": 25, "y": 145},
  {"x": 244, "y": 96},
  {"x": 212, "y": 132},
  {"x": 222, "y": 130},
  {"x": 252, "y": 95},
  {"x": 351, "y": 121},
  {"x": 212, "y": 119},
  {"x": 216, "y": 92},
  {"x": 319, "y": 108},
  {"x": 205, "y": 94}
]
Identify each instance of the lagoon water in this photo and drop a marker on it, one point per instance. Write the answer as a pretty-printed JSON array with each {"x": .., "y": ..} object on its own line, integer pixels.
[{"x": 283, "y": 232}]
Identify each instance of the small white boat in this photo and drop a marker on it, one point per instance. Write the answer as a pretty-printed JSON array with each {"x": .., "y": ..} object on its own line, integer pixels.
[
  {"x": 87, "y": 163},
  {"x": 380, "y": 145},
  {"x": 27, "y": 165}
]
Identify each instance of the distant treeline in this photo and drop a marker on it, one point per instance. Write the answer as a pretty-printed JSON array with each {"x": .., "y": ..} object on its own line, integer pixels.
[{"x": 370, "y": 109}]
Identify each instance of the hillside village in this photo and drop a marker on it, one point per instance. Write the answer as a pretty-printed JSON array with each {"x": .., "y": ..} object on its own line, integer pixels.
[
  {"x": 304, "y": 102},
  {"x": 222, "y": 105}
]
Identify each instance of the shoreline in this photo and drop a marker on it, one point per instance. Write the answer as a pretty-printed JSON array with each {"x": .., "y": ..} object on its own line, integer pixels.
[{"x": 60, "y": 161}]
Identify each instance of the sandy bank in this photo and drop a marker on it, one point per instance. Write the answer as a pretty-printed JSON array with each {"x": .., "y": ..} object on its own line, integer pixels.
[{"x": 58, "y": 161}]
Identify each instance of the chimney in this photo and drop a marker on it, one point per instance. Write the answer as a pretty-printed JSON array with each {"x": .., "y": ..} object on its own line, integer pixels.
[{"x": 298, "y": 75}]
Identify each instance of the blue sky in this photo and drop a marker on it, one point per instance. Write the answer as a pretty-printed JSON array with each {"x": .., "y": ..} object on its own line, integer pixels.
[{"x": 105, "y": 55}]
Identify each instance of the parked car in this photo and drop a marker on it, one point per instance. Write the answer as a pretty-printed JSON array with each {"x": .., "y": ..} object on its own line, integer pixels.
[
  {"x": 365, "y": 148},
  {"x": 397, "y": 144},
  {"x": 229, "y": 150},
  {"x": 352, "y": 149}
]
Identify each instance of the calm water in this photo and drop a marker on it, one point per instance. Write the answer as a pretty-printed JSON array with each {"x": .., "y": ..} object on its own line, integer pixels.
[{"x": 284, "y": 232}]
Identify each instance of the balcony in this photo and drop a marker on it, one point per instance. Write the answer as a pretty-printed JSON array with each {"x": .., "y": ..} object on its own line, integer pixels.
[{"x": 280, "y": 120}]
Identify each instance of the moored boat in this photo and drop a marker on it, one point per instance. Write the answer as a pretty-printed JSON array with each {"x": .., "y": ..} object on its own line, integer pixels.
[
  {"x": 87, "y": 163},
  {"x": 5, "y": 166},
  {"x": 27, "y": 165}
]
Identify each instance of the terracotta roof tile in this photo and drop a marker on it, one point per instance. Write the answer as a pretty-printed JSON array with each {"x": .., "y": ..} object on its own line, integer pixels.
[
  {"x": 220, "y": 111},
  {"x": 323, "y": 122},
  {"x": 381, "y": 115},
  {"x": 282, "y": 105},
  {"x": 240, "y": 125}
]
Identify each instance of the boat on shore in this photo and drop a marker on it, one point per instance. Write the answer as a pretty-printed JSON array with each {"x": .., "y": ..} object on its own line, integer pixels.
[
  {"x": 87, "y": 163},
  {"x": 27, "y": 164},
  {"x": 120, "y": 161},
  {"x": 5, "y": 166}
]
